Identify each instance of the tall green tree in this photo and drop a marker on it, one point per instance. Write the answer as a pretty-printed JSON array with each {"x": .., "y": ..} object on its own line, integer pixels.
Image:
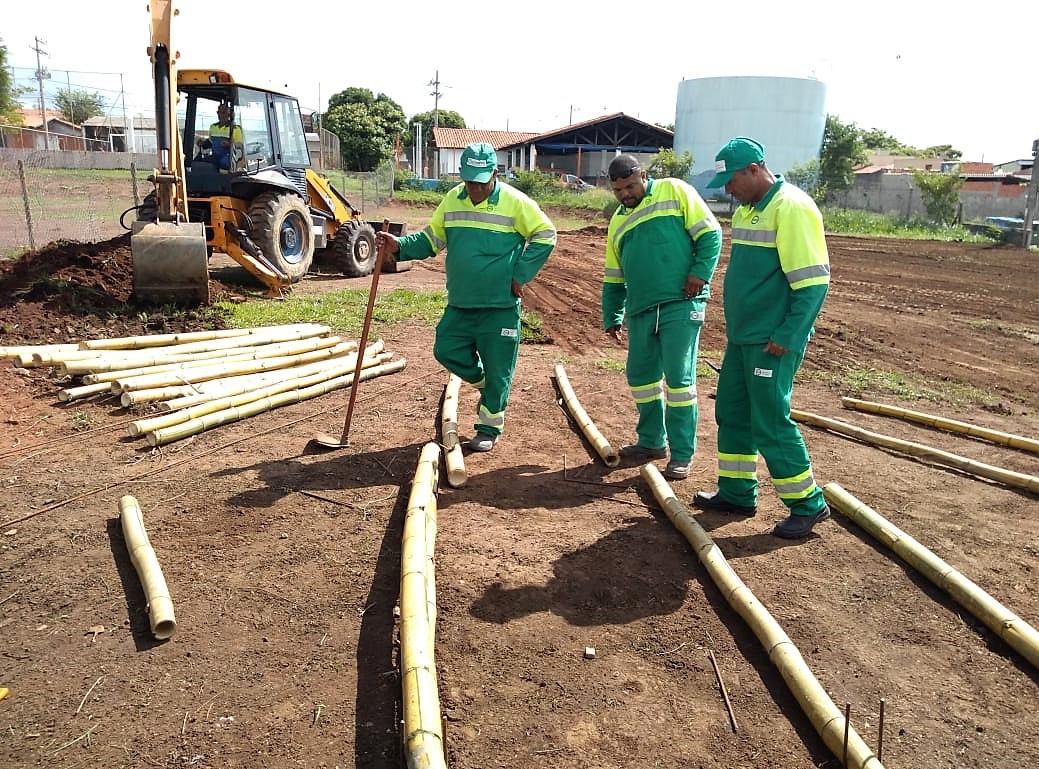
[
  {"x": 367, "y": 127},
  {"x": 79, "y": 106},
  {"x": 940, "y": 194},
  {"x": 842, "y": 151},
  {"x": 8, "y": 92},
  {"x": 805, "y": 176},
  {"x": 668, "y": 164}
]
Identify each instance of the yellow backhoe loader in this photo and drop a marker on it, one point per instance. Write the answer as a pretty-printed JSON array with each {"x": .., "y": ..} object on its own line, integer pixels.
[{"x": 233, "y": 176}]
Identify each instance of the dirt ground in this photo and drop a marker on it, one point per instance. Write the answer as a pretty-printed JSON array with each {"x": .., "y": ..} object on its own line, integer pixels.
[{"x": 283, "y": 560}]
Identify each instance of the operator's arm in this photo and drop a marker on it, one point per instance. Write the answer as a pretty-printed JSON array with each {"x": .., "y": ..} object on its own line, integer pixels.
[
  {"x": 537, "y": 228},
  {"x": 805, "y": 262},
  {"x": 614, "y": 290},
  {"x": 427, "y": 242}
]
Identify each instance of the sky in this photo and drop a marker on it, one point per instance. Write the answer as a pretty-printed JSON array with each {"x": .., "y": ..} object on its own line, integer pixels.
[{"x": 963, "y": 75}]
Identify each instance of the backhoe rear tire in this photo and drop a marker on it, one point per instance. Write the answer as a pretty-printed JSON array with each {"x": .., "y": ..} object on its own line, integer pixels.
[
  {"x": 281, "y": 228},
  {"x": 355, "y": 249}
]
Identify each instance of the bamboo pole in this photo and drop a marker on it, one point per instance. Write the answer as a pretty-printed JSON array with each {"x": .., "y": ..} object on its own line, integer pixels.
[
  {"x": 602, "y": 447},
  {"x": 108, "y": 368},
  {"x": 20, "y": 352},
  {"x": 164, "y": 356},
  {"x": 221, "y": 370},
  {"x": 456, "y": 472},
  {"x": 73, "y": 393},
  {"x": 449, "y": 413},
  {"x": 160, "y": 605},
  {"x": 160, "y": 340},
  {"x": 423, "y": 729},
  {"x": 193, "y": 427},
  {"x": 1009, "y": 477},
  {"x": 942, "y": 423},
  {"x": 1000, "y": 620},
  {"x": 170, "y": 418},
  {"x": 203, "y": 392},
  {"x": 813, "y": 699}
]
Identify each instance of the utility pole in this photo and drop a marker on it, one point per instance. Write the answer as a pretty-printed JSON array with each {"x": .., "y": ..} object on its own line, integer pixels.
[
  {"x": 41, "y": 75},
  {"x": 435, "y": 93},
  {"x": 1032, "y": 201}
]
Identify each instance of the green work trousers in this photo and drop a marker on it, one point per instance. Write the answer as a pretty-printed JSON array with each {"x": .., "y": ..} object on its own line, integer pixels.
[
  {"x": 752, "y": 409},
  {"x": 481, "y": 346},
  {"x": 661, "y": 371}
]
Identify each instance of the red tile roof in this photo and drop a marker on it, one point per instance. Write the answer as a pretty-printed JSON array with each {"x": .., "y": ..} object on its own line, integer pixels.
[{"x": 458, "y": 138}]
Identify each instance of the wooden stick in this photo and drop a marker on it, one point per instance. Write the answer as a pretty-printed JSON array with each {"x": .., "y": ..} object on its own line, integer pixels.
[
  {"x": 83, "y": 701},
  {"x": 725, "y": 694}
]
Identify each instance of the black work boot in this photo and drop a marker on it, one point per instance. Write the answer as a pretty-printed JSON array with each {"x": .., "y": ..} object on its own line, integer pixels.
[
  {"x": 799, "y": 526},
  {"x": 711, "y": 500}
]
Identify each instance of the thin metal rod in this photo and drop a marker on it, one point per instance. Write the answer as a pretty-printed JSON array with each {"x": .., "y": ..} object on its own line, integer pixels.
[
  {"x": 880, "y": 733},
  {"x": 725, "y": 694},
  {"x": 847, "y": 729}
]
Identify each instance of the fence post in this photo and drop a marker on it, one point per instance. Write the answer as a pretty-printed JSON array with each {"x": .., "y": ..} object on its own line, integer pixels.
[
  {"x": 25, "y": 200},
  {"x": 133, "y": 182}
]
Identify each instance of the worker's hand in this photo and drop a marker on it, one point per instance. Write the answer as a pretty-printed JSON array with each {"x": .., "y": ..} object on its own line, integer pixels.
[
  {"x": 517, "y": 290},
  {"x": 774, "y": 349},
  {"x": 387, "y": 243},
  {"x": 693, "y": 286},
  {"x": 617, "y": 332}
]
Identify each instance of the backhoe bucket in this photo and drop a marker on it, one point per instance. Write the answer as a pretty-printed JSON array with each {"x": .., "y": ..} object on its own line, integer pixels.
[{"x": 170, "y": 262}]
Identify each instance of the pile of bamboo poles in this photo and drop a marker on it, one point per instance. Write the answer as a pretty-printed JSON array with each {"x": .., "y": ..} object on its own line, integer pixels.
[{"x": 195, "y": 381}]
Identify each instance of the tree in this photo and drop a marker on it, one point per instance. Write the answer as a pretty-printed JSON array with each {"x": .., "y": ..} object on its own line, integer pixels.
[
  {"x": 668, "y": 164},
  {"x": 806, "y": 177},
  {"x": 79, "y": 106},
  {"x": 444, "y": 118},
  {"x": 9, "y": 94},
  {"x": 842, "y": 151},
  {"x": 367, "y": 126},
  {"x": 940, "y": 194}
]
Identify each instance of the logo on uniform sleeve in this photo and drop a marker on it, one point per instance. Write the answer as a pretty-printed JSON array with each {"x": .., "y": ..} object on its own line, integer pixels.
[
  {"x": 763, "y": 372},
  {"x": 697, "y": 315},
  {"x": 510, "y": 332}
]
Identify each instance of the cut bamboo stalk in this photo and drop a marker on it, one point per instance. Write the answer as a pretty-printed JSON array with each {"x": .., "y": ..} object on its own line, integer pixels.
[
  {"x": 813, "y": 699},
  {"x": 942, "y": 423},
  {"x": 195, "y": 350},
  {"x": 159, "y": 340},
  {"x": 1009, "y": 477},
  {"x": 168, "y": 419},
  {"x": 57, "y": 358},
  {"x": 602, "y": 447},
  {"x": 197, "y": 374},
  {"x": 456, "y": 472},
  {"x": 449, "y": 414},
  {"x": 423, "y": 729},
  {"x": 108, "y": 368},
  {"x": 160, "y": 605},
  {"x": 203, "y": 392},
  {"x": 20, "y": 353},
  {"x": 84, "y": 391},
  {"x": 999, "y": 619},
  {"x": 195, "y": 426}
]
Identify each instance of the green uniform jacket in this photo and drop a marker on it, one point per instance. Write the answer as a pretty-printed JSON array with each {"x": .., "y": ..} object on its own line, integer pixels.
[
  {"x": 651, "y": 250},
  {"x": 779, "y": 271},
  {"x": 506, "y": 238}
]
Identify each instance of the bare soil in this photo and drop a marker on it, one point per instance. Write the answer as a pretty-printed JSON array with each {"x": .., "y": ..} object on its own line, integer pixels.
[{"x": 284, "y": 560}]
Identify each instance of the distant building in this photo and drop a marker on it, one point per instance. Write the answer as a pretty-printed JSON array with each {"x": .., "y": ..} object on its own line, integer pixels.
[{"x": 39, "y": 133}]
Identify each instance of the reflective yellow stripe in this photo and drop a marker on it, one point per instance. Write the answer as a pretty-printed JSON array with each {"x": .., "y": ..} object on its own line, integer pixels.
[
  {"x": 737, "y": 465},
  {"x": 648, "y": 392},
  {"x": 796, "y": 487},
  {"x": 491, "y": 419},
  {"x": 681, "y": 396}
]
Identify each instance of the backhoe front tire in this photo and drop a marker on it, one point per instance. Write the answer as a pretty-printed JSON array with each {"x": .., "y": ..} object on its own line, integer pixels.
[
  {"x": 282, "y": 230},
  {"x": 355, "y": 249}
]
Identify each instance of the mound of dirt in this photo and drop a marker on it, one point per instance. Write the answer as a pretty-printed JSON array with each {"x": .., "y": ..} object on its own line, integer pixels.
[{"x": 69, "y": 291}]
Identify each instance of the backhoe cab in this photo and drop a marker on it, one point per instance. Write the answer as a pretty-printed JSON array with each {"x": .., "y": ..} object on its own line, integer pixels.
[{"x": 234, "y": 176}]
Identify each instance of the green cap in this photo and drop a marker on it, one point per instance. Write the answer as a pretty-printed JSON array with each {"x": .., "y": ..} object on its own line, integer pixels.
[
  {"x": 479, "y": 162},
  {"x": 735, "y": 156}
]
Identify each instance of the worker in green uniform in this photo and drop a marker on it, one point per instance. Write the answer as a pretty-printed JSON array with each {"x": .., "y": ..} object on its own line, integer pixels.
[
  {"x": 775, "y": 284},
  {"x": 497, "y": 239},
  {"x": 662, "y": 246}
]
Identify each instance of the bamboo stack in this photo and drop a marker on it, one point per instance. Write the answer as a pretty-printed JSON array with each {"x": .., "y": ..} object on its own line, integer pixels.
[{"x": 196, "y": 381}]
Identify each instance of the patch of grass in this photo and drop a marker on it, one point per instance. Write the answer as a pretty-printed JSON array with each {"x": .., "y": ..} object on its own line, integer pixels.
[
  {"x": 532, "y": 328},
  {"x": 855, "y": 382},
  {"x": 342, "y": 311},
  {"x": 610, "y": 363},
  {"x": 81, "y": 421},
  {"x": 1031, "y": 334},
  {"x": 855, "y": 222}
]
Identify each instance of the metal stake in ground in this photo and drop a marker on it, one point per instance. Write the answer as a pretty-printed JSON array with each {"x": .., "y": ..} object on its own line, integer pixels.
[{"x": 324, "y": 439}]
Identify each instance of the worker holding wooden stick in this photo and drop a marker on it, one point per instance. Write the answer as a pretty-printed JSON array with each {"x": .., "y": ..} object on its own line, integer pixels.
[
  {"x": 497, "y": 239},
  {"x": 775, "y": 285}
]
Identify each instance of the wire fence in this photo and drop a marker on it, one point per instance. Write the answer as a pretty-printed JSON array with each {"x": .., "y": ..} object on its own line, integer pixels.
[{"x": 48, "y": 196}]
